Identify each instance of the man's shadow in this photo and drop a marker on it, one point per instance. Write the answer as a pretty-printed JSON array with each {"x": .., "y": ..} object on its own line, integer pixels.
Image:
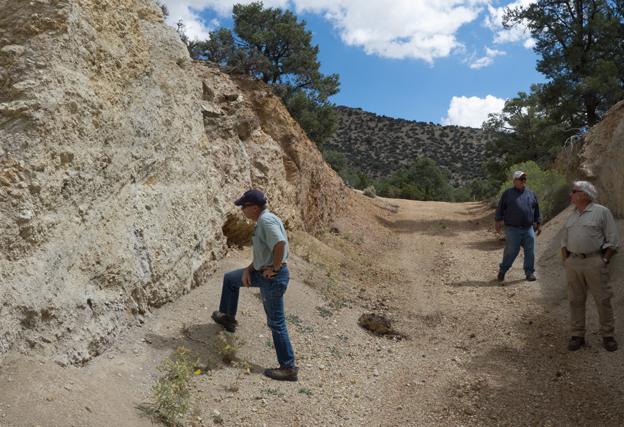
[
  {"x": 485, "y": 283},
  {"x": 209, "y": 344}
]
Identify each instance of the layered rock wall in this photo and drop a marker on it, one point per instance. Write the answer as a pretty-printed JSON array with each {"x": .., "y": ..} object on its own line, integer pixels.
[
  {"x": 598, "y": 157},
  {"x": 119, "y": 161}
]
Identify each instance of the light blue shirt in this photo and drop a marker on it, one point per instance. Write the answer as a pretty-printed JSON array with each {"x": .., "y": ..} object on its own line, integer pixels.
[{"x": 268, "y": 231}]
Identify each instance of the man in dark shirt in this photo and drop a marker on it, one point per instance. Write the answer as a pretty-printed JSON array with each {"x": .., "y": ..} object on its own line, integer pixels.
[{"x": 518, "y": 209}]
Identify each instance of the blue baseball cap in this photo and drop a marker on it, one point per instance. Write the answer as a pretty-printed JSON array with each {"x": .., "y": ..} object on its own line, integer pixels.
[{"x": 253, "y": 196}]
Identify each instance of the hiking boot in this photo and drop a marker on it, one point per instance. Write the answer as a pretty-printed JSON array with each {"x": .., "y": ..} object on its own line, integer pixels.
[
  {"x": 609, "y": 343},
  {"x": 228, "y": 322},
  {"x": 500, "y": 277},
  {"x": 282, "y": 374},
  {"x": 531, "y": 277},
  {"x": 575, "y": 343}
]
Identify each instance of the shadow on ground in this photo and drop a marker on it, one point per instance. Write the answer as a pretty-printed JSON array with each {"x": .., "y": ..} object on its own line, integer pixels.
[
  {"x": 446, "y": 228},
  {"x": 540, "y": 383},
  {"x": 487, "y": 245},
  {"x": 387, "y": 206},
  {"x": 485, "y": 283},
  {"x": 535, "y": 380},
  {"x": 480, "y": 208},
  {"x": 209, "y": 343}
]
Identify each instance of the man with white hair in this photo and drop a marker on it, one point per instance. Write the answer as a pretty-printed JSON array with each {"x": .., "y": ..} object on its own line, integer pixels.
[{"x": 590, "y": 239}]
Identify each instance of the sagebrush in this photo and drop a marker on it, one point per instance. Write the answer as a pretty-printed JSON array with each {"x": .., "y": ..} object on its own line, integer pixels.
[{"x": 171, "y": 392}]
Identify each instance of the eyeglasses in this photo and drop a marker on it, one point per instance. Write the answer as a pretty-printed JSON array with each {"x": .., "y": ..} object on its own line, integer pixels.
[
  {"x": 246, "y": 205},
  {"x": 523, "y": 178},
  {"x": 575, "y": 191}
]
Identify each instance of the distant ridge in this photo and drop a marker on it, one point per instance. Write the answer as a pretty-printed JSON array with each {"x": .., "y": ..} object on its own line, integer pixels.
[{"x": 379, "y": 145}]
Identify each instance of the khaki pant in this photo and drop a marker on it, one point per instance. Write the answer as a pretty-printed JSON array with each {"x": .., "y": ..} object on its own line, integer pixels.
[{"x": 589, "y": 274}]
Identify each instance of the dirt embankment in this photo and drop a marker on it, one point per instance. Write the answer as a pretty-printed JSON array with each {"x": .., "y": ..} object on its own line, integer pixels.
[{"x": 476, "y": 353}]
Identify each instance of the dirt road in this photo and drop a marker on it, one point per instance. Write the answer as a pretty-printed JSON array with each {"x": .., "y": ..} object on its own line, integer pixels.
[
  {"x": 476, "y": 353},
  {"x": 486, "y": 354}
]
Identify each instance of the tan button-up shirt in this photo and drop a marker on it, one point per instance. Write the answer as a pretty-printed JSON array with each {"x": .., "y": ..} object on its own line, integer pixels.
[{"x": 590, "y": 231}]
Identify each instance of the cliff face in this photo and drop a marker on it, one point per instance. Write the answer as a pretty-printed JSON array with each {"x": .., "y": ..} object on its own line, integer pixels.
[
  {"x": 598, "y": 157},
  {"x": 119, "y": 162},
  {"x": 380, "y": 145}
]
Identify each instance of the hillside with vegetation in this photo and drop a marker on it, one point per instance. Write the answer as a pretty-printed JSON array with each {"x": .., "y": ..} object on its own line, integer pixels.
[{"x": 380, "y": 145}]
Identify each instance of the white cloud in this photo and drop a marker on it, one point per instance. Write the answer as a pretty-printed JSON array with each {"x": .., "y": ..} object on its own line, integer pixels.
[
  {"x": 189, "y": 12},
  {"x": 518, "y": 33},
  {"x": 418, "y": 29},
  {"x": 486, "y": 60},
  {"x": 529, "y": 43},
  {"x": 472, "y": 111}
]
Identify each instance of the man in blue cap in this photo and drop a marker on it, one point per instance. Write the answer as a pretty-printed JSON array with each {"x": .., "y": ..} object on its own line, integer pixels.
[
  {"x": 518, "y": 209},
  {"x": 269, "y": 272}
]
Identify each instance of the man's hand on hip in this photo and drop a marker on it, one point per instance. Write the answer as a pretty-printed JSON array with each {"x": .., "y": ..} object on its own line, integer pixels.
[
  {"x": 268, "y": 273},
  {"x": 246, "y": 278}
]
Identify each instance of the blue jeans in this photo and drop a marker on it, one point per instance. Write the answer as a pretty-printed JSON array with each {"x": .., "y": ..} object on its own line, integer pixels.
[
  {"x": 516, "y": 237},
  {"x": 272, "y": 291}
]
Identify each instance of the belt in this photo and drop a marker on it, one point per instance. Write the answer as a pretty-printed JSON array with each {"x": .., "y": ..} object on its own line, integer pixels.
[
  {"x": 585, "y": 255},
  {"x": 271, "y": 266}
]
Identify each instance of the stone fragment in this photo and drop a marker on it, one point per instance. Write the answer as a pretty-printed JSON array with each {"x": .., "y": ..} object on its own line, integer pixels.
[{"x": 13, "y": 49}]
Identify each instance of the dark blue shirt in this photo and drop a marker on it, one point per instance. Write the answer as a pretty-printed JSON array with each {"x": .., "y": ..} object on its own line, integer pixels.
[{"x": 518, "y": 208}]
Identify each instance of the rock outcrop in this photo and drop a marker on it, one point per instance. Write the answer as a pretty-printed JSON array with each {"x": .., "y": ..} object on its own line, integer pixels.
[
  {"x": 598, "y": 157},
  {"x": 119, "y": 162},
  {"x": 380, "y": 145}
]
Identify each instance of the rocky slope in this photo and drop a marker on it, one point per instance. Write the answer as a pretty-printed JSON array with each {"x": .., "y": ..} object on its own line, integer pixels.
[
  {"x": 598, "y": 157},
  {"x": 380, "y": 145},
  {"x": 119, "y": 162}
]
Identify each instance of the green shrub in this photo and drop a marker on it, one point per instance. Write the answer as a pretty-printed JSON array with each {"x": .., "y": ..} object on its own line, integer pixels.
[
  {"x": 421, "y": 180},
  {"x": 227, "y": 346},
  {"x": 370, "y": 192},
  {"x": 462, "y": 194},
  {"x": 550, "y": 187},
  {"x": 335, "y": 159},
  {"x": 484, "y": 188},
  {"x": 171, "y": 392}
]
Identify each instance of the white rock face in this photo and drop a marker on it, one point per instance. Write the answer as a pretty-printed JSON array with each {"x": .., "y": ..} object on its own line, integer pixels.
[
  {"x": 119, "y": 162},
  {"x": 603, "y": 156},
  {"x": 598, "y": 158}
]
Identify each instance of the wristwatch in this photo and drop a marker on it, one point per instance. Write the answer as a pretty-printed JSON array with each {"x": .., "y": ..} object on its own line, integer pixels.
[{"x": 605, "y": 260}]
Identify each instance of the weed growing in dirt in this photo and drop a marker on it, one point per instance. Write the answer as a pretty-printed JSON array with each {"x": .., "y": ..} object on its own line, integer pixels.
[
  {"x": 244, "y": 365},
  {"x": 306, "y": 391},
  {"x": 296, "y": 321},
  {"x": 171, "y": 392},
  {"x": 324, "y": 312},
  {"x": 273, "y": 392},
  {"x": 227, "y": 346},
  {"x": 334, "y": 351}
]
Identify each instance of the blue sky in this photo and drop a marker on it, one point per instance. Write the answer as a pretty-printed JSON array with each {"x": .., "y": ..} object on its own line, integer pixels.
[{"x": 448, "y": 62}]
